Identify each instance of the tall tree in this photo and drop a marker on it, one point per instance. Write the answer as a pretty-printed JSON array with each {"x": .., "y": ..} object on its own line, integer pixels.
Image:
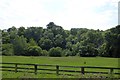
[
  {"x": 34, "y": 32},
  {"x": 112, "y": 38},
  {"x": 21, "y": 31},
  {"x": 19, "y": 45},
  {"x": 45, "y": 44}
]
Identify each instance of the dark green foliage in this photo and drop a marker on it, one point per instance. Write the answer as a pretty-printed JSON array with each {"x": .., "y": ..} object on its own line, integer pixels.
[
  {"x": 55, "y": 41},
  {"x": 19, "y": 45},
  {"x": 34, "y": 32},
  {"x": 12, "y": 33},
  {"x": 88, "y": 51},
  {"x": 55, "y": 52},
  {"x": 34, "y": 51},
  {"x": 45, "y": 44},
  {"x": 112, "y": 38},
  {"x": 21, "y": 31}
]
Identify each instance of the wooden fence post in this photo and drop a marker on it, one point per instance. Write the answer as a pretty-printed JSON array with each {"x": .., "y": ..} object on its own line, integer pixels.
[
  {"x": 111, "y": 73},
  {"x": 57, "y": 69},
  {"x": 35, "y": 66},
  {"x": 82, "y": 70},
  {"x": 15, "y": 67}
]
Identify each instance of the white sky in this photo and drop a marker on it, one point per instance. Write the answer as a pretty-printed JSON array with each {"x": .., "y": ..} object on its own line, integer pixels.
[{"x": 92, "y": 14}]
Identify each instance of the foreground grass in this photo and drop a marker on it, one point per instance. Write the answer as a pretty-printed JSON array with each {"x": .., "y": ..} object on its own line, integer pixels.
[
  {"x": 32, "y": 75},
  {"x": 68, "y": 61}
]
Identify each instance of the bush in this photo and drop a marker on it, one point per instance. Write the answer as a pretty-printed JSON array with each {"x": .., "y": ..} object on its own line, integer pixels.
[
  {"x": 45, "y": 53},
  {"x": 67, "y": 52},
  {"x": 55, "y": 52},
  {"x": 87, "y": 51},
  {"x": 34, "y": 51}
]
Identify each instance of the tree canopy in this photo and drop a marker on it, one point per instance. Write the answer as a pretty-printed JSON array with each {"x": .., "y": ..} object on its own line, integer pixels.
[{"x": 55, "y": 41}]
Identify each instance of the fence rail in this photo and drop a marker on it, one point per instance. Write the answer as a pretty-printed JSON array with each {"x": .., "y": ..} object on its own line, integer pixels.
[{"x": 56, "y": 68}]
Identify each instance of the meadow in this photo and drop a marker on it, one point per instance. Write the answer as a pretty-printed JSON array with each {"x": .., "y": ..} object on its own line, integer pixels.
[{"x": 65, "y": 61}]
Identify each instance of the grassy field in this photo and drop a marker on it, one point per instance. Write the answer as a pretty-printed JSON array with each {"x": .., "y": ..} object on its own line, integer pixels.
[{"x": 67, "y": 61}]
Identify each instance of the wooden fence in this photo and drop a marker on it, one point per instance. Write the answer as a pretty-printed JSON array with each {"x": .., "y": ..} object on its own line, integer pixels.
[{"x": 56, "y": 68}]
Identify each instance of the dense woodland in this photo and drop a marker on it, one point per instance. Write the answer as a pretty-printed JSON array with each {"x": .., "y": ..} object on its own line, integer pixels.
[{"x": 56, "y": 42}]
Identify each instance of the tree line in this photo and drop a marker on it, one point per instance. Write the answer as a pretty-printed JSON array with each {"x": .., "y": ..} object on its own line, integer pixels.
[{"x": 56, "y": 42}]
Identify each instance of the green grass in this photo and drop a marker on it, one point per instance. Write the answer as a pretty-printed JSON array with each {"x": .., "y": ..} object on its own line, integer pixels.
[
  {"x": 32, "y": 75},
  {"x": 67, "y": 61},
  {"x": 72, "y": 61}
]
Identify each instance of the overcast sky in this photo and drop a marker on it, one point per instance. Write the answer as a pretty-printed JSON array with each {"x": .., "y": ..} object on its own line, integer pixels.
[{"x": 92, "y": 14}]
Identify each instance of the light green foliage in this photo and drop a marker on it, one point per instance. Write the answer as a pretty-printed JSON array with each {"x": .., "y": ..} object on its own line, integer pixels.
[
  {"x": 69, "y": 45},
  {"x": 45, "y": 53},
  {"x": 32, "y": 42},
  {"x": 7, "y": 49},
  {"x": 67, "y": 52}
]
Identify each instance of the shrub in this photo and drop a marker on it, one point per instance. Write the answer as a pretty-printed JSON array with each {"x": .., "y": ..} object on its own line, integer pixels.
[
  {"x": 67, "y": 52},
  {"x": 87, "y": 51},
  {"x": 55, "y": 52},
  {"x": 45, "y": 53},
  {"x": 34, "y": 51}
]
